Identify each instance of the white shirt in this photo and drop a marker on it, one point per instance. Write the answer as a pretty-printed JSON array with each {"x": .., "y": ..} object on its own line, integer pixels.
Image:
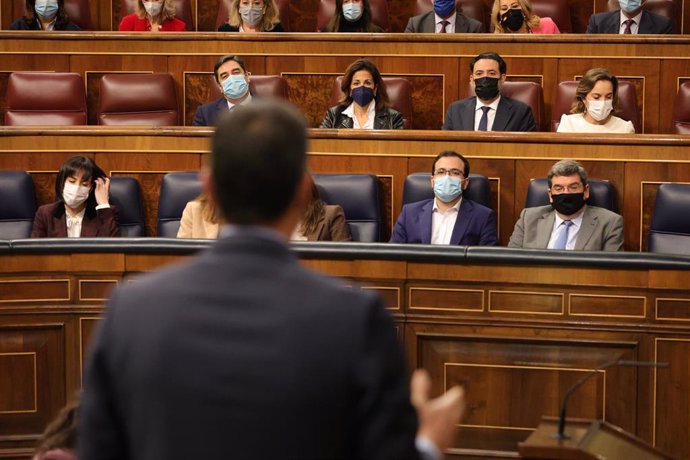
[
  {"x": 634, "y": 28},
  {"x": 371, "y": 115},
  {"x": 244, "y": 102},
  {"x": 491, "y": 115},
  {"x": 443, "y": 223},
  {"x": 572, "y": 233},
  {"x": 450, "y": 27},
  {"x": 576, "y": 123},
  {"x": 74, "y": 223}
]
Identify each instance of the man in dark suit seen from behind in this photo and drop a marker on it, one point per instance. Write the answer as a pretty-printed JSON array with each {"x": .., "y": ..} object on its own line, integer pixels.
[
  {"x": 242, "y": 351},
  {"x": 443, "y": 19},
  {"x": 630, "y": 19},
  {"x": 488, "y": 110},
  {"x": 233, "y": 80},
  {"x": 449, "y": 217}
]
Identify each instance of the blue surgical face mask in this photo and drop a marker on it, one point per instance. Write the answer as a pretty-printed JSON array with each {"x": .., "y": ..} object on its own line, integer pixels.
[
  {"x": 46, "y": 9},
  {"x": 352, "y": 11},
  {"x": 630, "y": 6},
  {"x": 235, "y": 86},
  {"x": 362, "y": 95},
  {"x": 447, "y": 188},
  {"x": 444, "y": 8}
]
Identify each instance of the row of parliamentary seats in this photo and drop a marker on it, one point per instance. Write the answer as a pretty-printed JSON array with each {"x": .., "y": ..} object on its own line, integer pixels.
[
  {"x": 357, "y": 194},
  {"x": 454, "y": 16},
  {"x": 151, "y": 99}
]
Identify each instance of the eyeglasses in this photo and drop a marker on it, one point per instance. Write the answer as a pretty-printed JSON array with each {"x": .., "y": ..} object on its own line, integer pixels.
[
  {"x": 453, "y": 172},
  {"x": 572, "y": 188}
]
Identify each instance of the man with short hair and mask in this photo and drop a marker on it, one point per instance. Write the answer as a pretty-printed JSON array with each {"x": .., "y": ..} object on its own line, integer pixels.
[
  {"x": 443, "y": 19},
  {"x": 488, "y": 110},
  {"x": 568, "y": 223},
  {"x": 630, "y": 19},
  {"x": 233, "y": 80},
  {"x": 448, "y": 218}
]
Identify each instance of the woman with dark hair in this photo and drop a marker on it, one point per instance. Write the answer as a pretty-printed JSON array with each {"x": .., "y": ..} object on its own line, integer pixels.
[
  {"x": 153, "y": 16},
  {"x": 44, "y": 15},
  {"x": 322, "y": 222},
  {"x": 352, "y": 16},
  {"x": 365, "y": 103},
  {"x": 252, "y": 16},
  {"x": 596, "y": 99},
  {"x": 81, "y": 207},
  {"x": 59, "y": 440}
]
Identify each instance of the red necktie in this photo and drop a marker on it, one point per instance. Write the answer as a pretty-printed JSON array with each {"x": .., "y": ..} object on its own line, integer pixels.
[
  {"x": 628, "y": 24},
  {"x": 443, "y": 26}
]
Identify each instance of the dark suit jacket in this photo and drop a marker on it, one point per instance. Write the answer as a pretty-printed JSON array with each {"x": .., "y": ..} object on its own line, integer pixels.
[
  {"x": 511, "y": 115},
  {"x": 21, "y": 24},
  {"x": 207, "y": 114},
  {"x": 426, "y": 23},
  {"x": 609, "y": 23},
  {"x": 475, "y": 226},
  {"x": 385, "y": 119},
  {"x": 244, "y": 353},
  {"x": 50, "y": 222}
]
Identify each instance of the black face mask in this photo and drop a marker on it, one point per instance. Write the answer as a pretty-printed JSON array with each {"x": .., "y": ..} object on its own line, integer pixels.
[
  {"x": 568, "y": 203},
  {"x": 513, "y": 19},
  {"x": 486, "y": 88}
]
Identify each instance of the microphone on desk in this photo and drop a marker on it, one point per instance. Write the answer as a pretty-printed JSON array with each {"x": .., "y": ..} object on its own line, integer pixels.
[{"x": 618, "y": 362}]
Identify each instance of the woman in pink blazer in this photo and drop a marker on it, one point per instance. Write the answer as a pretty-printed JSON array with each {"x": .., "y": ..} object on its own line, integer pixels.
[{"x": 516, "y": 17}]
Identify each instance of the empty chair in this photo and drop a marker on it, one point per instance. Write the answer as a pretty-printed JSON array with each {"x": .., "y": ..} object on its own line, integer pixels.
[
  {"x": 61, "y": 100},
  {"x": 125, "y": 193},
  {"x": 138, "y": 99},
  {"x": 183, "y": 11},
  {"x": 17, "y": 206},
  {"x": 379, "y": 14},
  {"x": 527, "y": 92},
  {"x": 177, "y": 189},
  {"x": 358, "y": 195},
  {"x": 283, "y": 11},
  {"x": 418, "y": 187},
  {"x": 681, "y": 109},
  {"x": 399, "y": 93},
  {"x": 475, "y": 9},
  {"x": 259, "y": 85},
  {"x": 666, "y": 8},
  {"x": 627, "y": 103},
  {"x": 79, "y": 12},
  {"x": 601, "y": 194},
  {"x": 670, "y": 229},
  {"x": 558, "y": 10}
]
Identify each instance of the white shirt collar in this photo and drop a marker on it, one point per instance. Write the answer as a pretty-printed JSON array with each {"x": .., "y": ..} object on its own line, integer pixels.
[
  {"x": 450, "y": 19},
  {"x": 371, "y": 112},
  {"x": 493, "y": 105},
  {"x": 576, "y": 221},
  {"x": 244, "y": 102},
  {"x": 455, "y": 207},
  {"x": 636, "y": 18}
]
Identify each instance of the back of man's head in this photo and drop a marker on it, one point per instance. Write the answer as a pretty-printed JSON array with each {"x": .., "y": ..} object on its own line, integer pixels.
[{"x": 258, "y": 160}]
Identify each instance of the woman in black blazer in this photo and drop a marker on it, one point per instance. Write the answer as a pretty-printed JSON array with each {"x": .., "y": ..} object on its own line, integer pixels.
[
  {"x": 365, "y": 103},
  {"x": 50, "y": 15}
]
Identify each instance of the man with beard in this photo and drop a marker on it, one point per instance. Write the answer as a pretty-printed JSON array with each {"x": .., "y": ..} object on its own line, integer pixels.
[
  {"x": 489, "y": 110},
  {"x": 568, "y": 223}
]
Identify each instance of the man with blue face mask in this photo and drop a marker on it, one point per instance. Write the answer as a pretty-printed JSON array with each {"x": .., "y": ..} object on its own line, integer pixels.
[
  {"x": 448, "y": 218},
  {"x": 233, "y": 79},
  {"x": 443, "y": 19},
  {"x": 630, "y": 19},
  {"x": 46, "y": 15}
]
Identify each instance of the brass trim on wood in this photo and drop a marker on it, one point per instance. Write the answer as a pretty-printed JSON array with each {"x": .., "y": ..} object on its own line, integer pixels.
[{"x": 35, "y": 408}]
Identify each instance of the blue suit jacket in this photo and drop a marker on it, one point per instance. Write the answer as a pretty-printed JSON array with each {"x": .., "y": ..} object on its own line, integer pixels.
[
  {"x": 207, "y": 114},
  {"x": 475, "y": 226}
]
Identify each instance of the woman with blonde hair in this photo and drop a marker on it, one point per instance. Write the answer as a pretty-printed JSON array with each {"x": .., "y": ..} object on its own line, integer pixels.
[
  {"x": 200, "y": 219},
  {"x": 516, "y": 17},
  {"x": 153, "y": 16},
  {"x": 252, "y": 16}
]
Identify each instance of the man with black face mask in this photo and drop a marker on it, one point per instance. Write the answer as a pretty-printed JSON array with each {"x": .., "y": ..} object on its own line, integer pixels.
[
  {"x": 568, "y": 223},
  {"x": 489, "y": 110}
]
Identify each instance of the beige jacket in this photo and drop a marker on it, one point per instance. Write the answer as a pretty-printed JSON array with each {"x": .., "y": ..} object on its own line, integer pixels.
[{"x": 193, "y": 225}]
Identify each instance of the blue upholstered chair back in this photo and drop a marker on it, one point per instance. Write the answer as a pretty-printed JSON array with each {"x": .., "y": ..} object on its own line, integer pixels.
[
  {"x": 601, "y": 194},
  {"x": 177, "y": 189},
  {"x": 17, "y": 205},
  {"x": 670, "y": 229},
  {"x": 418, "y": 187},
  {"x": 125, "y": 193},
  {"x": 359, "y": 196}
]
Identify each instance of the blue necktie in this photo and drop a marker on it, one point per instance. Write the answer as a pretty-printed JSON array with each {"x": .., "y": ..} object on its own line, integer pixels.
[
  {"x": 484, "y": 121},
  {"x": 562, "y": 239}
]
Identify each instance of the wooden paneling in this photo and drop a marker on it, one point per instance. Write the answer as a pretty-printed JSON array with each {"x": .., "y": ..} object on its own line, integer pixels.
[{"x": 672, "y": 402}]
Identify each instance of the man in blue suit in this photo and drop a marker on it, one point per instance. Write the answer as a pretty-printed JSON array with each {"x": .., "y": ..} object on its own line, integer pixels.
[
  {"x": 448, "y": 218},
  {"x": 233, "y": 80}
]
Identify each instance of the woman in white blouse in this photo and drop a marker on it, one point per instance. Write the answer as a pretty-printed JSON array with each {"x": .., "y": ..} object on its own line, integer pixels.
[{"x": 596, "y": 98}]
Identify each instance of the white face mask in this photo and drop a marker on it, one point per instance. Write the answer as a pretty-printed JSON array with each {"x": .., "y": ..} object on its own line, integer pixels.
[
  {"x": 352, "y": 11},
  {"x": 153, "y": 9},
  {"x": 599, "y": 110},
  {"x": 251, "y": 15},
  {"x": 74, "y": 195}
]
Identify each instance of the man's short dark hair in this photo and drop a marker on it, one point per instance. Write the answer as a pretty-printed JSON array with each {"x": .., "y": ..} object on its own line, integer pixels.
[
  {"x": 567, "y": 168},
  {"x": 494, "y": 57},
  {"x": 224, "y": 59},
  {"x": 451, "y": 153},
  {"x": 258, "y": 159}
]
